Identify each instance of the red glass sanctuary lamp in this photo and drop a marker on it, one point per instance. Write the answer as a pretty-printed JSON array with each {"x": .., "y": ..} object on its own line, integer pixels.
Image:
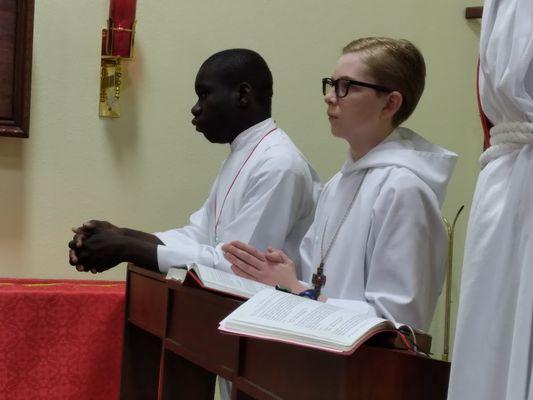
[
  {"x": 117, "y": 45},
  {"x": 121, "y": 22}
]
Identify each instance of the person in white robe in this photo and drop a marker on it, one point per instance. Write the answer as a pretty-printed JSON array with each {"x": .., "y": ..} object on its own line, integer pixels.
[
  {"x": 265, "y": 191},
  {"x": 378, "y": 229},
  {"x": 493, "y": 351},
  {"x": 273, "y": 200}
]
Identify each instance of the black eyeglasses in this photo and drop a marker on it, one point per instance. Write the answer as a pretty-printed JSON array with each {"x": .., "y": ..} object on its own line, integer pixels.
[{"x": 342, "y": 86}]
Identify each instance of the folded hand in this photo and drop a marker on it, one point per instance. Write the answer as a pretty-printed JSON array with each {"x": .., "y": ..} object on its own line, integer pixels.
[
  {"x": 272, "y": 267},
  {"x": 81, "y": 235}
]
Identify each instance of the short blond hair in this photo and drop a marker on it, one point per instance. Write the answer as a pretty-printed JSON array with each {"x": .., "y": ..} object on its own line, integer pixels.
[{"x": 396, "y": 64}]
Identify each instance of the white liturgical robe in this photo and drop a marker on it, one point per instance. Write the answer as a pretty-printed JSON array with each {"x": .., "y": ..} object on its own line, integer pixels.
[
  {"x": 389, "y": 256},
  {"x": 271, "y": 193},
  {"x": 493, "y": 350}
]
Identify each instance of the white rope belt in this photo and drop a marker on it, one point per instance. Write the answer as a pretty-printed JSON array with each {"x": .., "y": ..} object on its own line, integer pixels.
[{"x": 506, "y": 138}]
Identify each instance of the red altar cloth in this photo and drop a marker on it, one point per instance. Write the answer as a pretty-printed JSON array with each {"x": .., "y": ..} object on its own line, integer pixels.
[{"x": 60, "y": 339}]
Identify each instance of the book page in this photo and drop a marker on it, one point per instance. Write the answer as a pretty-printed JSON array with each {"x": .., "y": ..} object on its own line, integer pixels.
[
  {"x": 223, "y": 280},
  {"x": 291, "y": 316}
]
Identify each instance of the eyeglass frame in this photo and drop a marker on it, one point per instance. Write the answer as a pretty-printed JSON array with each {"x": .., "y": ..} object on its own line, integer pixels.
[{"x": 350, "y": 82}]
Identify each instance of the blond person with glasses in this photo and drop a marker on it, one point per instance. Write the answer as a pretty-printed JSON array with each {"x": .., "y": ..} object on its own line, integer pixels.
[{"x": 377, "y": 244}]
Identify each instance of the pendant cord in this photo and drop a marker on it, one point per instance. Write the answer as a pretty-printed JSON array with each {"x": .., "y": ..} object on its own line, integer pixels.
[
  {"x": 217, "y": 219},
  {"x": 323, "y": 255}
]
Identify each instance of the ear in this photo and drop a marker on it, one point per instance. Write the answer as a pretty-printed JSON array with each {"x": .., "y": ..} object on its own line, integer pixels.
[
  {"x": 244, "y": 94},
  {"x": 393, "y": 104}
]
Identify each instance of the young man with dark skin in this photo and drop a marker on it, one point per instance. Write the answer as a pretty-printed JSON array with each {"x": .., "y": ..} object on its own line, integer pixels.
[{"x": 265, "y": 192}]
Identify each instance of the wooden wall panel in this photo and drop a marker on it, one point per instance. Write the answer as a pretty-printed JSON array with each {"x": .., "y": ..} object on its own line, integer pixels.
[
  {"x": 16, "y": 40},
  {"x": 7, "y": 57}
]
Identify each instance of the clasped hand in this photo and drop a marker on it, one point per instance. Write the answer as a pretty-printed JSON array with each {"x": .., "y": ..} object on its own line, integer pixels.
[
  {"x": 272, "y": 267},
  {"x": 95, "y": 246}
]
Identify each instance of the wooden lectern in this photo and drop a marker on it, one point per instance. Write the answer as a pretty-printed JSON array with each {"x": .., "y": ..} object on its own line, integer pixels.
[{"x": 173, "y": 350}]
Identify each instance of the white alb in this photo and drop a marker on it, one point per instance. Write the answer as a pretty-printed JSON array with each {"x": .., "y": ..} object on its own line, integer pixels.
[
  {"x": 493, "y": 352},
  {"x": 390, "y": 254},
  {"x": 271, "y": 203}
]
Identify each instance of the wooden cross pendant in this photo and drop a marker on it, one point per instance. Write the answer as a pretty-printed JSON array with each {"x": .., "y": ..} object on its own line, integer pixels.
[{"x": 319, "y": 279}]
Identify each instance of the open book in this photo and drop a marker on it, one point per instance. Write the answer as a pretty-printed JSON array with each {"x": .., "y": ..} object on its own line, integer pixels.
[
  {"x": 198, "y": 275},
  {"x": 283, "y": 317}
]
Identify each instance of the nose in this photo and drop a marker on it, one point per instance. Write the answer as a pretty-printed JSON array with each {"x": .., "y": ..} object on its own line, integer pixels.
[
  {"x": 195, "y": 110},
  {"x": 330, "y": 96}
]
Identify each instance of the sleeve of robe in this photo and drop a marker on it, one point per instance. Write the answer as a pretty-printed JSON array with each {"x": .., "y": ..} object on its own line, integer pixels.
[
  {"x": 406, "y": 255},
  {"x": 277, "y": 189}
]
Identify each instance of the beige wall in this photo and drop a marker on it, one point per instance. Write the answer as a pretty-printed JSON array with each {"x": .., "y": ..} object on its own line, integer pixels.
[{"x": 149, "y": 169}]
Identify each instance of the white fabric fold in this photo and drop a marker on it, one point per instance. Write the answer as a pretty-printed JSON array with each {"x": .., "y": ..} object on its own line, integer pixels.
[
  {"x": 493, "y": 350},
  {"x": 506, "y": 55}
]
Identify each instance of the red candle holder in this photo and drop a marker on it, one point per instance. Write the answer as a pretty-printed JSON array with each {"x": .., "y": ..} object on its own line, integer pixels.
[
  {"x": 122, "y": 13},
  {"x": 118, "y": 41}
]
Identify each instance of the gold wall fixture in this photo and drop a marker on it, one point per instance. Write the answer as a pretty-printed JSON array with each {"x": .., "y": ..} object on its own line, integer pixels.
[{"x": 118, "y": 41}]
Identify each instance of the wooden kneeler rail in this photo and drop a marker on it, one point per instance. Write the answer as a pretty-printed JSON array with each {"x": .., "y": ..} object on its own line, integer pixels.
[{"x": 173, "y": 350}]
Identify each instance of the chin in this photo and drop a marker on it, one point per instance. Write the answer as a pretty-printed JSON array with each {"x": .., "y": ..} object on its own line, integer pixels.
[
  {"x": 215, "y": 139},
  {"x": 210, "y": 139},
  {"x": 335, "y": 132}
]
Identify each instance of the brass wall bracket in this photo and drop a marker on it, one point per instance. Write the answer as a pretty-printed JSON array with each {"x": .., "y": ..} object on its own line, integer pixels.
[{"x": 111, "y": 68}]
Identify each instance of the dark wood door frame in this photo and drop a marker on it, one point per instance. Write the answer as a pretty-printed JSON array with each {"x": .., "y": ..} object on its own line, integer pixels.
[{"x": 15, "y": 122}]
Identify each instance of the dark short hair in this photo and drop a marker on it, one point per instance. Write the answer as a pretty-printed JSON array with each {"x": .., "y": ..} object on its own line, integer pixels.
[{"x": 235, "y": 66}]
